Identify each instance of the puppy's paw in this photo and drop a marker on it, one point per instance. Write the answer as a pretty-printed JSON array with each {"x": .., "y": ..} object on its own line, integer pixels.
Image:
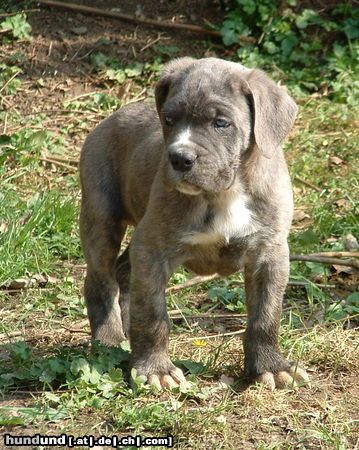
[
  {"x": 170, "y": 380},
  {"x": 111, "y": 334},
  {"x": 162, "y": 374},
  {"x": 265, "y": 364},
  {"x": 294, "y": 377}
]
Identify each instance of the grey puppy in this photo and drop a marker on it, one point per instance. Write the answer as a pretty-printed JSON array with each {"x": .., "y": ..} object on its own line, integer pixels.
[{"x": 204, "y": 181}]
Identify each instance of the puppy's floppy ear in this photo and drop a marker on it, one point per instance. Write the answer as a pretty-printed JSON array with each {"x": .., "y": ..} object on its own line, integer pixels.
[
  {"x": 274, "y": 112},
  {"x": 170, "y": 70}
]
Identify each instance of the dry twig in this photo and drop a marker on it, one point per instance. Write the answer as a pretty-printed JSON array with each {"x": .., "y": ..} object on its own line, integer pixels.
[
  {"x": 337, "y": 254},
  {"x": 58, "y": 163},
  {"x": 308, "y": 183},
  {"x": 327, "y": 260},
  {"x": 192, "y": 282},
  {"x": 23, "y": 11},
  {"x": 213, "y": 336}
]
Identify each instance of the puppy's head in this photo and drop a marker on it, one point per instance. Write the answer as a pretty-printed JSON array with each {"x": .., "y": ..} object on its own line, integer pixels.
[{"x": 211, "y": 110}]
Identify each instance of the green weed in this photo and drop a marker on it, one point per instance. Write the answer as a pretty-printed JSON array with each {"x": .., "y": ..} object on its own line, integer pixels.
[{"x": 18, "y": 26}]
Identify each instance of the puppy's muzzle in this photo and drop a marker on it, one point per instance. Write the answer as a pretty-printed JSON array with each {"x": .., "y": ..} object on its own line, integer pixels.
[{"x": 182, "y": 160}]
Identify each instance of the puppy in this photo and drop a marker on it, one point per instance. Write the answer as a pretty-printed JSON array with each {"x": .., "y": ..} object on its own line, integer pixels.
[{"x": 202, "y": 177}]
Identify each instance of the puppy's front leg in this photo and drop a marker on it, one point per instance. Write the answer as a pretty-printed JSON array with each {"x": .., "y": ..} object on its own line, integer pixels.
[
  {"x": 149, "y": 323},
  {"x": 266, "y": 276}
]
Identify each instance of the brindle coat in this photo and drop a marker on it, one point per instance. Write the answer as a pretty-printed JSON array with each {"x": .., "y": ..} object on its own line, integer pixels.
[{"x": 204, "y": 181}]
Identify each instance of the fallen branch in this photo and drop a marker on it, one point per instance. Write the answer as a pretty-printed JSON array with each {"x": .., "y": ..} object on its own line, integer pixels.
[
  {"x": 55, "y": 162},
  {"x": 213, "y": 336},
  {"x": 129, "y": 18},
  {"x": 86, "y": 94},
  {"x": 70, "y": 161},
  {"x": 192, "y": 282},
  {"x": 203, "y": 279},
  {"x": 23, "y": 11},
  {"x": 177, "y": 316},
  {"x": 327, "y": 260},
  {"x": 331, "y": 258},
  {"x": 337, "y": 254},
  {"x": 138, "y": 20}
]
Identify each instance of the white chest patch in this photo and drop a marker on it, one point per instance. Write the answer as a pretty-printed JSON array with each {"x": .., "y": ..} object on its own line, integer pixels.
[
  {"x": 230, "y": 220},
  {"x": 234, "y": 220}
]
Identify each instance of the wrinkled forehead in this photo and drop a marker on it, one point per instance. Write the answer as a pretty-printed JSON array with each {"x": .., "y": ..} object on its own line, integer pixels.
[{"x": 206, "y": 86}]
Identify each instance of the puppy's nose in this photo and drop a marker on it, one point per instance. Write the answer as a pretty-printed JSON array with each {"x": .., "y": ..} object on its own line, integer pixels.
[{"x": 182, "y": 161}]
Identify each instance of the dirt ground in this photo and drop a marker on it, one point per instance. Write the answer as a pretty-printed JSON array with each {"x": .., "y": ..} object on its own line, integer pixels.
[{"x": 60, "y": 54}]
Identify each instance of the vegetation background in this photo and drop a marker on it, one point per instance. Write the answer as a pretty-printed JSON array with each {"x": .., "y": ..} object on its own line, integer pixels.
[{"x": 61, "y": 72}]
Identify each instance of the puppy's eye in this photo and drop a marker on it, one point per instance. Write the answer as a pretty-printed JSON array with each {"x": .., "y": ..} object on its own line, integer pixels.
[
  {"x": 168, "y": 120},
  {"x": 221, "y": 123}
]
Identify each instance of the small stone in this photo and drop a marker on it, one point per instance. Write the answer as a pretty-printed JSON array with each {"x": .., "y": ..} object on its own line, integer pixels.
[
  {"x": 79, "y": 30},
  {"x": 351, "y": 243}
]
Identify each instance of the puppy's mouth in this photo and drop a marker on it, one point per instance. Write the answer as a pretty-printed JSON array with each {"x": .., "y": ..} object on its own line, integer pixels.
[
  {"x": 188, "y": 188},
  {"x": 202, "y": 179}
]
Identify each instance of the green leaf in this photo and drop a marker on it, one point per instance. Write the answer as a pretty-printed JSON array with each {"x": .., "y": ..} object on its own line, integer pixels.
[
  {"x": 94, "y": 376},
  {"x": 56, "y": 365},
  {"x": 21, "y": 351},
  {"x": 118, "y": 75},
  {"x": 307, "y": 238},
  {"x": 135, "y": 70},
  {"x": 193, "y": 367},
  {"x": 99, "y": 60},
  {"x": 55, "y": 414},
  {"x": 249, "y": 6},
  {"x": 125, "y": 346},
  {"x": 38, "y": 138},
  {"x": 270, "y": 47},
  {"x": 5, "y": 139},
  {"x": 306, "y": 17},
  {"x": 80, "y": 365},
  {"x": 288, "y": 44},
  {"x": 352, "y": 303},
  {"x": 351, "y": 28},
  {"x": 19, "y": 26},
  {"x": 47, "y": 376},
  {"x": 229, "y": 33},
  {"x": 115, "y": 375},
  {"x": 139, "y": 380},
  {"x": 6, "y": 420},
  {"x": 52, "y": 397}
]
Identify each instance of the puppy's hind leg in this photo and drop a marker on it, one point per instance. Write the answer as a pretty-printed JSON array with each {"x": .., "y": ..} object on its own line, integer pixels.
[
  {"x": 101, "y": 240},
  {"x": 123, "y": 274}
]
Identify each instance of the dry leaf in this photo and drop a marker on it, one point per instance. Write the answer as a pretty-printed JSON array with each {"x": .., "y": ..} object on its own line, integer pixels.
[
  {"x": 343, "y": 269},
  {"x": 299, "y": 215},
  {"x": 334, "y": 160},
  {"x": 21, "y": 283},
  {"x": 33, "y": 280},
  {"x": 3, "y": 227},
  {"x": 225, "y": 381},
  {"x": 343, "y": 203}
]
